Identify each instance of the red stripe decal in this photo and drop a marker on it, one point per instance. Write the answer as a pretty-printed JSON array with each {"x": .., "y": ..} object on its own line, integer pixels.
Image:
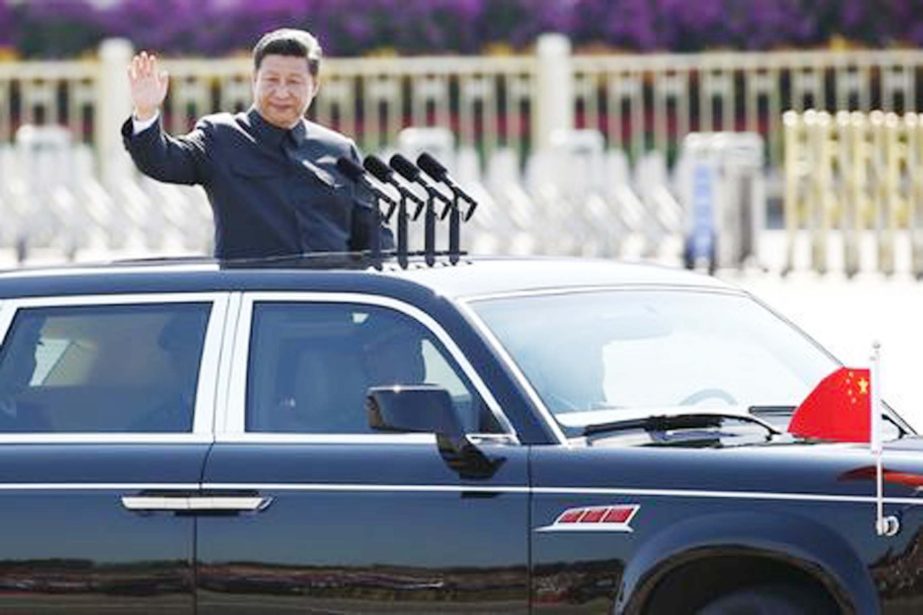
[
  {"x": 594, "y": 515},
  {"x": 614, "y": 518},
  {"x": 618, "y": 514},
  {"x": 571, "y": 516}
]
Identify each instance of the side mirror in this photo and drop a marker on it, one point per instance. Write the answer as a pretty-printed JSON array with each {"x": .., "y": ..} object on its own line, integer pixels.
[
  {"x": 415, "y": 408},
  {"x": 428, "y": 408}
]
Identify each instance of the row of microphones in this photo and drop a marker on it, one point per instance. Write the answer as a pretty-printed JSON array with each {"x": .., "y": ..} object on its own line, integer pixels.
[{"x": 432, "y": 171}]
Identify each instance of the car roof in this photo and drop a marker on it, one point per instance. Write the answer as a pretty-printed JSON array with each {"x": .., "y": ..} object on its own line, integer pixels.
[
  {"x": 492, "y": 276},
  {"x": 468, "y": 277}
]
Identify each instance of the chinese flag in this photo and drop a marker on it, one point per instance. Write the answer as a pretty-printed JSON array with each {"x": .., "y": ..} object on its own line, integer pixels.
[{"x": 839, "y": 408}]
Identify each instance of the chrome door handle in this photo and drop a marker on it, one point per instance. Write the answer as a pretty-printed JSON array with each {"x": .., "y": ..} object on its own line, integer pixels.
[
  {"x": 241, "y": 503},
  {"x": 196, "y": 503}
]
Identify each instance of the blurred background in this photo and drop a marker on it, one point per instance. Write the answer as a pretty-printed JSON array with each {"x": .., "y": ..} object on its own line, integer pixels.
[{"x": 774, "y": 143}]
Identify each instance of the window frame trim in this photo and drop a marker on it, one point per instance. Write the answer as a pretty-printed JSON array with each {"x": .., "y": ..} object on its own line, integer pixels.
[
  {"x": 209, "y": 363},
  {"x": 230, "y": 421}
]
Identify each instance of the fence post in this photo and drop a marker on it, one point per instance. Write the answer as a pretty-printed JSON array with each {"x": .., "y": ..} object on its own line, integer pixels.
[
  {"x": 554, "y": 89},
  {"x": 890, "y": 207},
  {"x": 794, "y": 163},
  {"x": 819, "y": 126},
  {"x": 854, "y": 170},
  {"x": 915, "y": 204},
  {"x": 113, "y": 106}
]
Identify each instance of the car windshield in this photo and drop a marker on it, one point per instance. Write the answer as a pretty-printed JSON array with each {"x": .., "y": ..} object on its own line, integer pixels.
[{"x": 597, "y": 357}]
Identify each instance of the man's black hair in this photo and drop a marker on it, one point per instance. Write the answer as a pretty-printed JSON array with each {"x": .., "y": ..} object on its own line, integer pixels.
[{"x": 289, "y": 42}]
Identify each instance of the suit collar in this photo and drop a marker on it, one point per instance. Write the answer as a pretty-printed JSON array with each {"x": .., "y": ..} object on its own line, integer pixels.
[
  {"x": 300, "y": 132},
  {"x": 274, "y": 135}
]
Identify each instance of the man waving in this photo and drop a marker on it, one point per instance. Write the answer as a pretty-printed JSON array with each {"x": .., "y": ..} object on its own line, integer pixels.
[{"x": 269, "y": 173}]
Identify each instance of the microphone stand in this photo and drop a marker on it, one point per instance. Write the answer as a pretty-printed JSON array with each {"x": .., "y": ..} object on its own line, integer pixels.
[
  {"x": 375, "y": 240},
  {"x": 402, "y": 232},
  {"x": 377, "y": 218},
  {"x": 429, "y": 232},
  {"x": 434, "y": 169},
  {"x": 454, "y": 230}
]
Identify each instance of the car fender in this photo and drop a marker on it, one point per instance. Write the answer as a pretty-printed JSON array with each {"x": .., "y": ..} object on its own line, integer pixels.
[{"x": 797, "y": 540}]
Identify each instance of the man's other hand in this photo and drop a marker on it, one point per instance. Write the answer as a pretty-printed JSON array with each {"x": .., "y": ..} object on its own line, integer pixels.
[{"x": 148, "y": 85}]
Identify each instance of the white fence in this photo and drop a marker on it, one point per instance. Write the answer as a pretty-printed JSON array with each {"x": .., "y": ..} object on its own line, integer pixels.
[
  {"x": 637, "y": 102},
  {"x": 502, "y": 111},
  {"x": 852, "y": 175}
]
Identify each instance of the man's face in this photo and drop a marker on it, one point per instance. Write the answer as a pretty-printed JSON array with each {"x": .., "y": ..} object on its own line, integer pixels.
[{"x": 283, "y": 89}]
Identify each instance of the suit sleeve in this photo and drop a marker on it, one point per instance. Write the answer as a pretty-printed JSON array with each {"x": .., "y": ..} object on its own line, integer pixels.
[
  {"x": 363, "y": 219},
  {"x": 176, "y": 160}
]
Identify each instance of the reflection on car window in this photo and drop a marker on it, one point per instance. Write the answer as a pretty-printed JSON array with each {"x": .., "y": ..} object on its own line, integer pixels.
[
  {"x": 109, "y": 368},
  {"x": 654, "y": 349},
  {"x": 47, "y": 355},
  {"x": 311, "y": 365}
]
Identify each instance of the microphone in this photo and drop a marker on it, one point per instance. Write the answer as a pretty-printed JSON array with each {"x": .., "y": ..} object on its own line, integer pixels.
[
  {"x": 434, "y": 169},
  {"x": 383, "y": 173},
  {"x": 411, "y": 173},
  {"x": 354, "y": 172}
]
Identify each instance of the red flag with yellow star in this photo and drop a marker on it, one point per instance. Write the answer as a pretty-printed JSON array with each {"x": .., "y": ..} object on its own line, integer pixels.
[{"x": 839, "y": 408}]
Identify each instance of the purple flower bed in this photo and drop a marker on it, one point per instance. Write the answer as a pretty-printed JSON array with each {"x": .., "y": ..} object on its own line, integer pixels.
[{"x": 63, "y": 28}]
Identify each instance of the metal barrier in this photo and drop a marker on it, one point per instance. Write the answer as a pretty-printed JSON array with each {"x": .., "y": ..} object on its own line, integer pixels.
[
  {"x": 637, "y": 102},
  {"x": 722, "y": 187},
  {"x": 853, "y": 174}
]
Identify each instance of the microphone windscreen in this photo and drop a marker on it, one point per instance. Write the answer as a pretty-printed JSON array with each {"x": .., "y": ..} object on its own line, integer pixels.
[
  {"x": 404, "y": 167},
  {"x": 376, "y": 166},
  {"x": 432, "y": 166},
  {"x": 349, "y": 168}
]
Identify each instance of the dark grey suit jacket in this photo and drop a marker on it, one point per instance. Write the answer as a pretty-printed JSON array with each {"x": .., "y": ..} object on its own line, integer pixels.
[{"x": 266, "y": 202}]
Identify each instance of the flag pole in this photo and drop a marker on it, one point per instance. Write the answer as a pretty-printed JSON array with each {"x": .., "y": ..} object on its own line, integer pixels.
[
  {"x": 875, "y": 438},
  {"x": 884, "y": 526}
]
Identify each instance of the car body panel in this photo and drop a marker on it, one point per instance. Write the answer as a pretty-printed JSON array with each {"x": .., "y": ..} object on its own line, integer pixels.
[
  {"x": 713, "y": 501},
  {"x": 352, "y": 526},
  {"x": 70, "y": 542}
]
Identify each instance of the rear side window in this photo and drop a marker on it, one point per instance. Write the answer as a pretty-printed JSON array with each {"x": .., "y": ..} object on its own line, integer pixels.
[{"x": 107, "y": 368}]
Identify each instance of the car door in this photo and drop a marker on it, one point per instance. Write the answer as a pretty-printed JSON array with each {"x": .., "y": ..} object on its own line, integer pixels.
[
  {"x": 106, "y": 412},
  {"x": 357, "y": 520}
]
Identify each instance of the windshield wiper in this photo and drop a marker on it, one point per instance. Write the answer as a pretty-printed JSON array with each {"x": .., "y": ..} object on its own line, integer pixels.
[
  {"x": 665, "y": 422},
  {"x": 771, "y": 410}
]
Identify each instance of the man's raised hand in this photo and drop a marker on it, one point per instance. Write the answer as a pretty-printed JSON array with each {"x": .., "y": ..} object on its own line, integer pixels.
[{"x": 148, "y": 85}]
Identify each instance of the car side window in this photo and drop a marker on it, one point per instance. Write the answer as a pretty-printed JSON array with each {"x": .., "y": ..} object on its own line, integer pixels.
[
  {"x": 102, "y": 368},
  {"x": 311, "y": 365}
]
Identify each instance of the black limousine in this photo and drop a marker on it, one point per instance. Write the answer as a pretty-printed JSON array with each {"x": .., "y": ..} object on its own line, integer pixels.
[{"x": 326, "y": 434}]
